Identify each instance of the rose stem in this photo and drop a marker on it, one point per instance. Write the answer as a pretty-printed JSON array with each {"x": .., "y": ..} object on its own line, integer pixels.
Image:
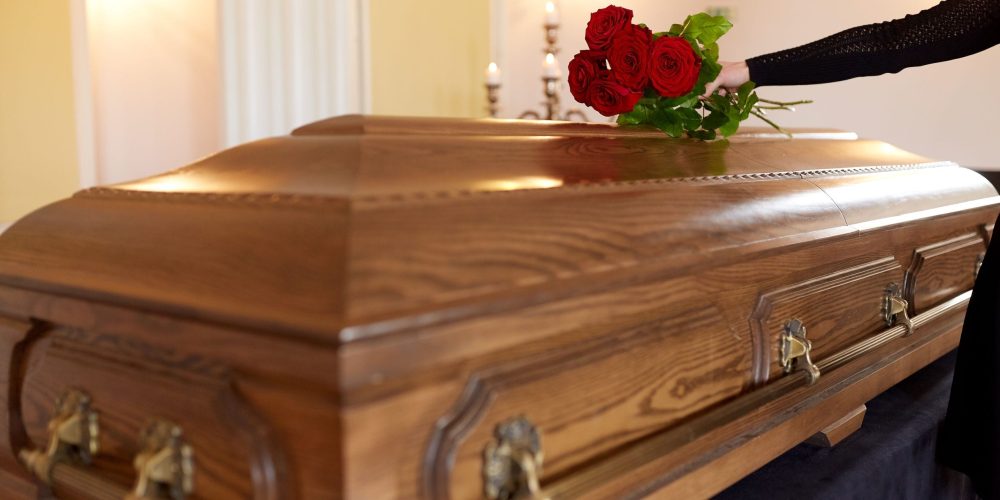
[
  {"x": 780, "y": 103},
  {"x": 771, "y": 123}
]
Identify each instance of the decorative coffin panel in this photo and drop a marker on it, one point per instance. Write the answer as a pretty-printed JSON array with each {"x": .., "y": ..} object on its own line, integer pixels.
[
  {"x": 221, "y": 444},
  {"x": 587, "y": 400},
  {"x": 858, "y": 294},
  {"x": 943, "y": 270},
  {"x": 14, "y": 335}
]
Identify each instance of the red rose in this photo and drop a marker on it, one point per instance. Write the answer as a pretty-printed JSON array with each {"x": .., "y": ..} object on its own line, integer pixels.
[
  {"x": 586, "y": 67},
  {"x": 611, "y": 98},
  {"x": 629, "y": 56},
  {"x": 604, "y": 24},
  {"x": 673, "y": 66}
]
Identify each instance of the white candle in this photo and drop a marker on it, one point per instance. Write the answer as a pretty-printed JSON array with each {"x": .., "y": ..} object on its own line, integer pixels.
[
  {"x": 550, "y": 69},
  {"x": 551, "y": 14},
  {"x": 492, "y": 74}
]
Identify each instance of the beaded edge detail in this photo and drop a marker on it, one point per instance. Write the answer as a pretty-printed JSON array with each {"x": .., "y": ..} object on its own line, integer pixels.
[{"x": 309, "y": 200}]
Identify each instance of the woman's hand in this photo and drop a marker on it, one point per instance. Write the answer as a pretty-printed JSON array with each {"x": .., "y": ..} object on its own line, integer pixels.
[{"x": 733, "y": 75}]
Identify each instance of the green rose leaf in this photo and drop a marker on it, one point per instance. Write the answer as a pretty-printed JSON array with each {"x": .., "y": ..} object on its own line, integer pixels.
[
  {"x": 744, "y": 93},
  {"x": 705, "y": 28},
  {"x": 669, "y": 121},
  {"x": 714, "y": 120},
  {"x": 748, "y": 108},
  {"x": 731, "y": 126},
  {"x": 641, "y": 113},
  {"x": 690, "y": 118},
  {"x": 709, "y": 71},
  {"x": 711, "y": 51},
  {"x": 702, "y": 135}
]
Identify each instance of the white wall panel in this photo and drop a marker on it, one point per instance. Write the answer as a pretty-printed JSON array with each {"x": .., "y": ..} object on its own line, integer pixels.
[{"x": 155, "y": 83}]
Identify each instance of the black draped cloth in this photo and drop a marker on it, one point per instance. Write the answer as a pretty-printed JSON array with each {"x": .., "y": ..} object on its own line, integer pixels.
[
  {"x": 891, "y": 457},
  {"x": 970, "y": 434}
]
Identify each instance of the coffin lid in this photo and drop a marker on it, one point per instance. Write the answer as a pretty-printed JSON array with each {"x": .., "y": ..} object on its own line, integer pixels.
[{"x": 355, "y": 227}]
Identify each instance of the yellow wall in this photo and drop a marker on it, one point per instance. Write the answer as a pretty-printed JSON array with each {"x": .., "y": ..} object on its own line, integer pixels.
[
  {"x": 38, "y": 162},
  {"x": 428, "y": 57}
]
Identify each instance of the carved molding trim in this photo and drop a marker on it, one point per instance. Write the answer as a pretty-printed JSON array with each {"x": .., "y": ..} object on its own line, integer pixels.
[
  {"x": 431, "y": 196},
  {"x": 761, "y": 314},
  {"x": 927, "y": 252},
  {"x": 16, "y": 350},
  {"x": 246, "y": 199}
]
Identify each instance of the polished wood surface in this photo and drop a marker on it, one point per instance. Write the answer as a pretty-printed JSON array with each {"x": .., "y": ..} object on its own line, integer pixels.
[
  {"x": 352, "y": 310},
  {"x": 836, "y": 432}
]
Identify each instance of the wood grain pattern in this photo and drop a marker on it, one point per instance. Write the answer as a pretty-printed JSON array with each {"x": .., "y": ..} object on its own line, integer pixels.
[
  {"x": 941, "y": 270},
  {"x": 669, "y": 369},
  {"x": 348, "y": 311}
]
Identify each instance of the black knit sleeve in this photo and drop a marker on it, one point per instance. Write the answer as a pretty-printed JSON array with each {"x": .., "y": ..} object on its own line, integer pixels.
[{"x": 949, "y": 30}]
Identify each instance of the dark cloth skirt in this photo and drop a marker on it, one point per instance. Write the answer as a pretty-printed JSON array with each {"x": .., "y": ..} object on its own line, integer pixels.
[
  {"x": 892, "y": 456},
  {"x": 970, "y": 434}
]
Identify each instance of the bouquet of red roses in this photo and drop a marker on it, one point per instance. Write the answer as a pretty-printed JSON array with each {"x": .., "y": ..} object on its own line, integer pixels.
[{"x": 659, "y": 78}]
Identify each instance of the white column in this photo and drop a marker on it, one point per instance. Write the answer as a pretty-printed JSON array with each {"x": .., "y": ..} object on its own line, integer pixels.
[
  {"x": 286, "y": 63},
  {"x": 83, "y": 96}
]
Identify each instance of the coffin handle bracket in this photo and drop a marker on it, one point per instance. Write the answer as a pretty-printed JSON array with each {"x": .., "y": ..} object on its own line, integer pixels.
[
  {"x": 895, "y": 307},
  {"x": 512, "y": 462},
  {"x": 165, "y": 464},
  {"x": 795, "y": 349},
  {"x": 73, "y": 436}
]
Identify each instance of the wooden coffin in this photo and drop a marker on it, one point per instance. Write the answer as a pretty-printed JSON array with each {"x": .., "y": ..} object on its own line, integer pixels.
[{"x": 401, "y": 308}]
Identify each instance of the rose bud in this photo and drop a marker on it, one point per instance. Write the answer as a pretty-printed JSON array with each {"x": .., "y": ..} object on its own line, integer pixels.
[
  {"x": 673, "y": 66},
  {"x": 611, "y": 98},
  {"x": 603, "y": 25},
  {"x": 586, "y": 67},
  {"x": 629, "y": 57}
]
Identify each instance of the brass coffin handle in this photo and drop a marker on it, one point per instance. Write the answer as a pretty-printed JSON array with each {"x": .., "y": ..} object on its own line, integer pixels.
[
  {"x": 795, "y": 349},
  {"x": 164, "y": 465},
  {"x": 512, "y": 461},
  {"x": 895, "y": 308},
  {"x": 73, "y": 437}
]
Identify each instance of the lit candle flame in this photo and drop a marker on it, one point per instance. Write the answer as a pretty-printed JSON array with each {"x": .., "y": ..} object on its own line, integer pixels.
[
  {"x": 551, "y": 15},
  {"x": 493, "y": 75},
  {"x": 551, "y": 68}
]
